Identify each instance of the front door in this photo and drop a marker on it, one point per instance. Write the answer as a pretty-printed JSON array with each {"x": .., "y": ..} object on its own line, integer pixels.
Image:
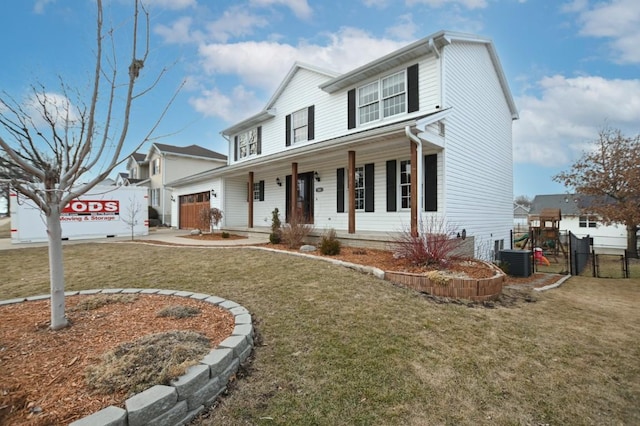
[{"x": 305, "y": 196}]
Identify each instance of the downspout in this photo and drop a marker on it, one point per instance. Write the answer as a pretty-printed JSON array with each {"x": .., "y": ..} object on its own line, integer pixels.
[
  {"x": 414, "y": 138},
  {"x": 162, "y": 192},
  {"x": 221, "y": 187}
]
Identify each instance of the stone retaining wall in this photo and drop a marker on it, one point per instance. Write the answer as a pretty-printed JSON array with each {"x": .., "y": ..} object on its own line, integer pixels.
[
  {"x": 477, "y": 290},
  {"x": 191, "y": 393}
]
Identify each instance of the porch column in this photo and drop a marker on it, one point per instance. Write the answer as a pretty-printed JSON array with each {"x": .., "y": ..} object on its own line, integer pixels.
[
  {"x": 294, "y": 193},
  {"x": 414, "y": 189},
  {"x": 352, "y": 192},
  {"x": 250, "y": 221}
]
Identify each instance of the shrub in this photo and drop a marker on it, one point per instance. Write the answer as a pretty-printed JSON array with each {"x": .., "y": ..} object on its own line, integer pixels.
[
  {"x": 296, "y": 230},
  {"x": 276, "y": 232},
  {"x": 330, "y": 245},
  {"x": 210, "y": 218},
  {"x": 434, "y": 243},
  {"x": 225, "y": 235},
  {"x": 153, "y": 213}
]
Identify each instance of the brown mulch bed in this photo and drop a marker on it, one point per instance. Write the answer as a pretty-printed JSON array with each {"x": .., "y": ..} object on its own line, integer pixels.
[
  {"x": 215, "y": 236},
  {"x": 43, "y": 371}
]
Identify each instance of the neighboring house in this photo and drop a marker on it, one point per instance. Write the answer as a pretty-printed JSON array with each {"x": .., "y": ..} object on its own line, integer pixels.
[
  {"x": 520, "y": 217},
  {"x": 164, "y": 163},
  {"x": 122, "y": 179},
  {"x": 575, "y": 218},
  {"x": 422, "y": 132}
]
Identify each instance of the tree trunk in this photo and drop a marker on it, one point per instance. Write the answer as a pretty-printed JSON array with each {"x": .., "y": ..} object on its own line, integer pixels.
[
  {"x": 632, "y": 241},
  {"x": 56, "y": 269}
]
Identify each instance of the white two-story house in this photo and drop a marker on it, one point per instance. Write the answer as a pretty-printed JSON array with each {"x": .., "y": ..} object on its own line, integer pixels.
[
  {"x": 164, "y": 163},
  {"x": 424, "y": 131}
]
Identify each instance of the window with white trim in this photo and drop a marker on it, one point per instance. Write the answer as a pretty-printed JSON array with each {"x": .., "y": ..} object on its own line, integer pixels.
[
  {"x": 405, "y": 184},
  {"x": 256, "y": 191},
  {"x": 359, "y": 188},
  {"x": 155, "y": 167},
  {"x": 248, "y": 143},
  {"x": 300, "y": 125},
  {"x": 587, "y": 222},
  {"x": 133, "y": 173},
  {"x": 383, "y": 98},
  {"x": 155, "y": 197}
]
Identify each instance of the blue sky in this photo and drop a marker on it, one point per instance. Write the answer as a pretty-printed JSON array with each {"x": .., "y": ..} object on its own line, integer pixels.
[{"x": 573, "y": 66}]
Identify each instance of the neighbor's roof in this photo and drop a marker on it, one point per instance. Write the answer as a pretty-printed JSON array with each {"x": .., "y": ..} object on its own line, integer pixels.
[
  {"x": 189, "y": 151},
  {"x": 569, "y": 204}
]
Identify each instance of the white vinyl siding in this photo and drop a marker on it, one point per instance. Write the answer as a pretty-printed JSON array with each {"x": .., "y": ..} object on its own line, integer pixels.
[{"x": 478, "y": 157}]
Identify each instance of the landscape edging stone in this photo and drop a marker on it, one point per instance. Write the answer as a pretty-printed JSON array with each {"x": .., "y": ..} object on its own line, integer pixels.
[{"x": 188, "y": 395}]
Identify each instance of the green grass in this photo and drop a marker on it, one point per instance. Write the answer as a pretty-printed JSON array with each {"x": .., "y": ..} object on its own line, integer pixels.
[{"x": 343, "y": 348}]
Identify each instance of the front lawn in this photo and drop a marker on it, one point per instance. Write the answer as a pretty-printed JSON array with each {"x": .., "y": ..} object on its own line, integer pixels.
[{"x": 339, "y": 347}]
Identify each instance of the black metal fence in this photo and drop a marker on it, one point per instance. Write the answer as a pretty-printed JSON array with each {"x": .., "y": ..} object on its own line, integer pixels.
[{"x": 579, "y": 253}]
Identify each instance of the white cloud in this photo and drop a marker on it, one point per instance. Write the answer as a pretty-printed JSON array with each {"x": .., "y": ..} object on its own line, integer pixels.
[
  {"x": 232, "y": 107},
  {"x": 179, "y": 32},
  {"x": 469, "y": 4},
  {"x": 557, "y": 126},
  {"x": 405, "y": 29},
  {"x": 39, "y": 6},
  {"x": 617, "y": 20},
  {"x": 171, "y": 4},
  {"x": 299, "y": 7},
  {"x": 262, "y": 65},
  {"x": 381, "y": 4},
  {"x": 235, "y": 22}
]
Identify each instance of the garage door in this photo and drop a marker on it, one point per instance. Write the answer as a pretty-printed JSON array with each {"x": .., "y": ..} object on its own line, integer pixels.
[{"x": 191, "y": 206}]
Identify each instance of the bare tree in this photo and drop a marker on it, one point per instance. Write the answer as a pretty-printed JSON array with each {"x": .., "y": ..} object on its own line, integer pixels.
[
  {"x": 610, "y": 175},
  {"x": 523, "y": 200},
  {"x": 131, "y": 215},
  {"x": 66, "y": 149}
]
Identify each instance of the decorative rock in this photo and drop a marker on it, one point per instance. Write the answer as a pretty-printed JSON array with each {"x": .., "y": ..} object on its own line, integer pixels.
[
  {"x": 196, "y": 232},
  {"x": 307, "y": 248}
]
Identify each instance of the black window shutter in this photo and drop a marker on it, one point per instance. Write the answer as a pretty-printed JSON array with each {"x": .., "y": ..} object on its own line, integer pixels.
[
  {"x": 287, "y": 130},
  {"x": 261, "y": 190},
  {"x": 413, "y": 96},
  {"x": 340, "y": 191},
  {"x": 259, "y": 143},
  {"x": 311, "y": 122},
  {"x": 431, "y": 183},
  {"x": 391, "y": 186},
  {"x": 287, "y": 202},
  {"x": 369, "y": 185},
  {"x": 351, "y": 109},
  {"x": 235, "y": 148}
]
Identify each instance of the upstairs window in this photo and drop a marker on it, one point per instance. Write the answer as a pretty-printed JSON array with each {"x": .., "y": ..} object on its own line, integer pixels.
[
  {"x": 155, "y": 167},
  {"x": 299, "y": 126},
  {"x": 383, "y": 98},
  {"x": 133, "y": 173},
  {"x": 248, "y": 143},
  {"x": 587, "y": 222}
]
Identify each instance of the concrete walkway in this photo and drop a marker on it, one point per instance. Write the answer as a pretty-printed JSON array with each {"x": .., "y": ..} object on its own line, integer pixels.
[{"x": 165, "y": 235}]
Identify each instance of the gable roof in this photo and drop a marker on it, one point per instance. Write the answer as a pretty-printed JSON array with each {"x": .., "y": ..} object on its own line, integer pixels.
[
  {"x": 138, "y": 157},
  {"x": 187, "y": 151},
  {"x": 569, "y": 204},
  {"x": 268, "y": 111},
  {"x": 415, "y": 50}
]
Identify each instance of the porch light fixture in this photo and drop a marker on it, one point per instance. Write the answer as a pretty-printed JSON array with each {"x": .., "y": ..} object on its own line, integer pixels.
[
  {"x": 213, "y": 193},
  {"x": 173, "y": 199},
  {"x": 278, "y": 181},
  {"x": 316, "y": 176}
]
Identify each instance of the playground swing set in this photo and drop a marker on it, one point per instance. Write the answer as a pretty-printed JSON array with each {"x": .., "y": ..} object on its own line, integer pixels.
[{"x": 543, "y": 237}]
